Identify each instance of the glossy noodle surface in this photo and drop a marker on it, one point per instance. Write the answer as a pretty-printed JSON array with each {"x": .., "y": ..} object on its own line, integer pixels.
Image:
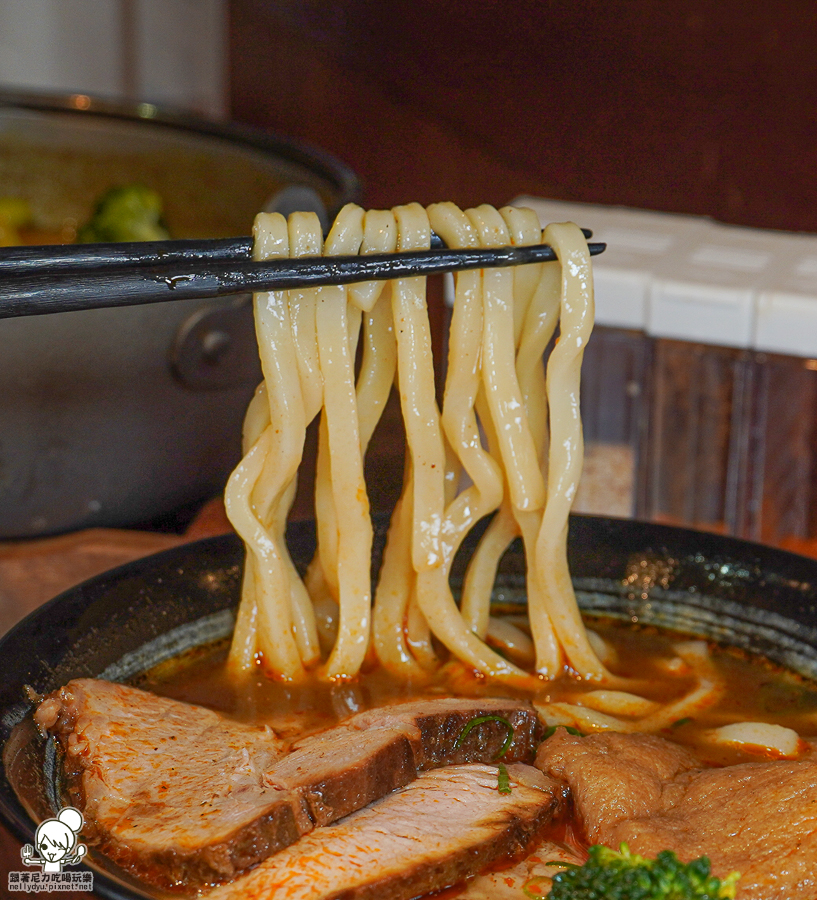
[{"x": 506, "y": 439}]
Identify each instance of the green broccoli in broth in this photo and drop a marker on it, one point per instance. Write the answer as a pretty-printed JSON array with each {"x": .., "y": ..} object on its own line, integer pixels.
[
  {"x": 621, "y": 875},
  {"x": 129, "y": 213}
]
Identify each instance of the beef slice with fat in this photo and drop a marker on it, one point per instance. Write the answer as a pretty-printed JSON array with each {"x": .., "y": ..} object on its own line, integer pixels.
[
  {"x": 444, "y": 827},
  {"x": 184, "y": 797},
  {"x": 169, "y": 789}
]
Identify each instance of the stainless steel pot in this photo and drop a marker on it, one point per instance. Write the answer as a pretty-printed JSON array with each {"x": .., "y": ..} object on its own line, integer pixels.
[{"x": 117, "y": 417}]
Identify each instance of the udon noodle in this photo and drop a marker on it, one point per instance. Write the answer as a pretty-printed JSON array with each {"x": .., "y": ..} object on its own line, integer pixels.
[{"x": 507, "y": 440}]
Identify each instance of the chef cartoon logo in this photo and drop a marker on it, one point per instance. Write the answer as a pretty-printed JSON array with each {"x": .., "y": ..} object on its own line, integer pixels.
[{"x": 55, "y": 845}]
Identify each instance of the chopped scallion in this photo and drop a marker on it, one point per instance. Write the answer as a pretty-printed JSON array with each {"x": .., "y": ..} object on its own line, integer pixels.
[
  {"x": 481, "y": 720},
  {"x": 549, "y": 732},
  {"x": 503, "y": 781}
]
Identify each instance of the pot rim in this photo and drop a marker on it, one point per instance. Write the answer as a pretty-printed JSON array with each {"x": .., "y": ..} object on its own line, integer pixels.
[{"x": 320, "y": 162}]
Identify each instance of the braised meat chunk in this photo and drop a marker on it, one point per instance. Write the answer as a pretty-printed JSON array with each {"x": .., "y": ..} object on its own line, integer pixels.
[
  {"x": 182, "y": 796},
  {"x": 446, "y": 826},
  {"x": 759, "y": 819},
  {"x": 612, "y": 777}
]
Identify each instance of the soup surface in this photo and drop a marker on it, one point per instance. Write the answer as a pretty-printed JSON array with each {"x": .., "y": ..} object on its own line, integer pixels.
[{"x": 747, "y": 689}]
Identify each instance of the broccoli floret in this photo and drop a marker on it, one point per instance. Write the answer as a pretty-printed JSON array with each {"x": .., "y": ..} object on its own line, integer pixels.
[
  {"x": 621, "y": 875},
  {"x": 130, "y": 213}
]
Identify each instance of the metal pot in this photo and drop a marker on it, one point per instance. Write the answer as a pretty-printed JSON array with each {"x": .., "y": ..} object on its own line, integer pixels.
[
  {"x": 118, "y": 417},
  {"x": 132, "y": 618}
]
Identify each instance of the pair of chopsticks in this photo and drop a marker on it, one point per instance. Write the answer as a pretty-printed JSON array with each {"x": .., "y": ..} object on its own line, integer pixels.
[{"x": 39, "y": 280}]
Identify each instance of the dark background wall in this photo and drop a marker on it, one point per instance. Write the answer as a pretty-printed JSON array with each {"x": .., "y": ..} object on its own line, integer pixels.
[{"x": 708, "y": 106}]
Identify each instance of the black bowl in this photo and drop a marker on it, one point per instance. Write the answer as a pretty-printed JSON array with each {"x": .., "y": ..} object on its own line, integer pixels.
[{"x": 131, "y": 618}]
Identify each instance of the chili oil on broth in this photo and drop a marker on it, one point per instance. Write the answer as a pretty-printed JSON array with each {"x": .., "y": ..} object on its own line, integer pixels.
[{"x": 747, "y": 689}]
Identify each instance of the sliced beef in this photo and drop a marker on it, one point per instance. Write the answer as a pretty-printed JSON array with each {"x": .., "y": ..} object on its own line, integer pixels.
[
  {"x": 169, "y": 789},
  {"x": 185, "y": 797},
  {"x": 436, "y": 725},
  {"x": 341, "y": 770},
  {"x": 447, "y": 825},
  {"x": 759, "y": 819}
]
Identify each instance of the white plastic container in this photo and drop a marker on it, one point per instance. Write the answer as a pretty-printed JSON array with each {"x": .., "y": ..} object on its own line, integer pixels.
[
  {"x": 699, "y": 393},
  {"x": 615, "y": 374}
]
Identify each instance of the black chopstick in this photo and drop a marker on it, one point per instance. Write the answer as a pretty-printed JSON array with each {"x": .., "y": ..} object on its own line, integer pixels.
[
  {"x": 114, "y": 286},
  {"x": 22, "y": 261}
]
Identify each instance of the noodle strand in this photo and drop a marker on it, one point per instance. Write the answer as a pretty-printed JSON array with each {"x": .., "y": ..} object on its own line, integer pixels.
[{"x": 507, "y": 441}]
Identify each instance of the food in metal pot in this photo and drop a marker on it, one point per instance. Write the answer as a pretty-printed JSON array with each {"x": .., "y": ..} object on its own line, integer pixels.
[
  {"x": 129, "y": 213},
  {"x": 15, "y": 214}
]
